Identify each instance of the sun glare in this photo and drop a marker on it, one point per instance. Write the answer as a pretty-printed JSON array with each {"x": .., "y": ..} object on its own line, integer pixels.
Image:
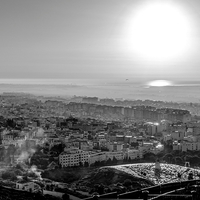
[
  {"x": 159, "y": 83},
  {"x": 157, "y": 31}
]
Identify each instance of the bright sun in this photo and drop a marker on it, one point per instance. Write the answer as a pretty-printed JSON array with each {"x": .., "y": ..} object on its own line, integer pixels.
[
  {"x": 159, "y": 83},
  {"x": 157, "y": 31}
]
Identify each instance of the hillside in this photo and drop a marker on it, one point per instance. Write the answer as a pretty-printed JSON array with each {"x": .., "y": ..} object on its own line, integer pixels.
[
  {"x": 110, "y": 175},
  {"x": 139, "y": 175},
  {"x": 169, "y": 172}
]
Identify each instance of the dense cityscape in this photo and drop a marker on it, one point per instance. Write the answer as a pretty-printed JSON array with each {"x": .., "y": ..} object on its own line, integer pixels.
[
  {"x": 99, "y": 100},
  {"x": 49, "y": 144}
]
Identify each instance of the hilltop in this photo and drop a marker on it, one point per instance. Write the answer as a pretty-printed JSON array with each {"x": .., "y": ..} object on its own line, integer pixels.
[{"x": 135, "y": 175}]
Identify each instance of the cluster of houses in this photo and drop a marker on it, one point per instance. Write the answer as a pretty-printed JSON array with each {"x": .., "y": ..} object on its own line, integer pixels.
[
  {"x": 184, "y": 137},
  {"x": 87, "y": 141},
  {"x": 34, "y": 123}
]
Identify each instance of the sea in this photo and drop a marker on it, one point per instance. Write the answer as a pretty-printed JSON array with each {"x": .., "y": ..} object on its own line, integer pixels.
[{"x": 116, "y": 89}]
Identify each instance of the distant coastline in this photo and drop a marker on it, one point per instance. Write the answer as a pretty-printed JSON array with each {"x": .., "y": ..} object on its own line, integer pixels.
[{"x": 179, "y": 92}]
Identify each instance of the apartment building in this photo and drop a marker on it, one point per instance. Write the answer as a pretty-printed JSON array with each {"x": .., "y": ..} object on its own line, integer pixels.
[
  {"x": 177, "y": 135},
  {"x": 177, "y": 146},
  {"x": 9, "y": 139},
  {"x": 134, "y": 154},
  {"x": 189, "y": 143},
  {"x": 96, "y": 156},
  {"x": 146, "y": 147},
  {"x": 53, "y": 140},
  {"x": 119, "y": 155},
  {"x": 115, "y": 146},
  {"x": 73, "y": 157}
]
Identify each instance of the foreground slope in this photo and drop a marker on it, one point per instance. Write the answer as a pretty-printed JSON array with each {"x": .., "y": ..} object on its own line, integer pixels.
[
  {"x": 142, "y": 174},
  {"x": 12, "y": 194}
]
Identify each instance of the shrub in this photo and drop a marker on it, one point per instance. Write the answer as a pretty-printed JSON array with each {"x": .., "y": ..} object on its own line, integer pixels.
[
  {"x": 127, "y": 182},
  {"x": 9, "y": 175}
]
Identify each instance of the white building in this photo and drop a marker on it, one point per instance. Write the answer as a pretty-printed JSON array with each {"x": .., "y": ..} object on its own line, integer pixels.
[
  {"x": 177, "y": 146},
  {"x": 178, "y": 135},
  {"x": 119, "y": 155},
  {"x": 190, "y": 145},
  {"x": 17, "y": 141},
  {"x": 27, "y": 186},
  {"x": 157, "y": 149},
  {"x": 191, "y": 138},
  {"x": 53, "y": 140},
  {"x": 73, "y": 157},
  {"x": 146, "y": 147},
  {"x": 134, "y": 154},
  {"x": 96, "y": 156},
  {"x": 103, "y": 143},
  {"x": 166, "y": 136},
  {"x": 115, "y": 146},
  {"x": 39, "y": 132}
]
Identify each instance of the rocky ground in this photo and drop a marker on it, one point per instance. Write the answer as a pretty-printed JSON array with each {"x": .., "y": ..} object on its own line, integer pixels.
[
  {"x": 139, "y": 175},
  {"x": 169, "y": 172},
  {"x": 120, "y": 178}
]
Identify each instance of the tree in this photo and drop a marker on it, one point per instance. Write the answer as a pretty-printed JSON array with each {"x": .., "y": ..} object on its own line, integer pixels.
[
  {"x": 90, "y": 137},
  {"x": 194, "y": 160},
  {"x": 11, "y": 150},
  {"x": 104, "y": 149},
  {"x": 11, "y": 123},
  {"x": 38, "y": 123},
  {"x": 102, "y": 163},
  {"x": 47, "y": 126},
  {"x": 96, "y": 148},
  {"x": 129, "y": 160},
  {"x": 127, "y": 183},
  {"x": 101, "y": 189},
  {"x": 114, "y": 161},
  {"x": 32, "y": 175},
  {"x": 168, "y": 157},
  {"x": 65, "y": 196},
  {"x": 18, "y": 172},
  {"x": 2, "y": 153},
  {"x": 9, "y": 175},
  {"x": 125, "y": 159},
  {"x": 134, "y": 144},
  {"x": 80, "y": 164},
  {"x": 86, "y": 164},
  {"x": 58, "y": 148},
  {"x": 109, "y": 161},
  {"x": 19, "y": 166},
  {"x": 97, "y": 163},
  {"x": 25, "y": 178},
  {"x": 179, "y": 160},
  {"x": 13, "y": 178}
]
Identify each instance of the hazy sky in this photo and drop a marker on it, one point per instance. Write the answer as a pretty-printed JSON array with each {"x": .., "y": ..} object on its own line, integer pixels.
[{"x": 84, "y": 39}]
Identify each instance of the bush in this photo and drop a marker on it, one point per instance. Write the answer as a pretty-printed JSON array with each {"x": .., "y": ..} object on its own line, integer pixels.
[
  {"x": 18, "y": 172},
  {"x": 21, "y": 166},
  {"x": 9, "y": 175},
  {"x": 65, "y": 196},
  {"x": 127, "y": 182},
  {"x": 32, "y": 174}
]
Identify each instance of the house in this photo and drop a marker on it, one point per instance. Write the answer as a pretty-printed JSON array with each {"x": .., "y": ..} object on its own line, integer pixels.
[{"x": 27, "y": 186}]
